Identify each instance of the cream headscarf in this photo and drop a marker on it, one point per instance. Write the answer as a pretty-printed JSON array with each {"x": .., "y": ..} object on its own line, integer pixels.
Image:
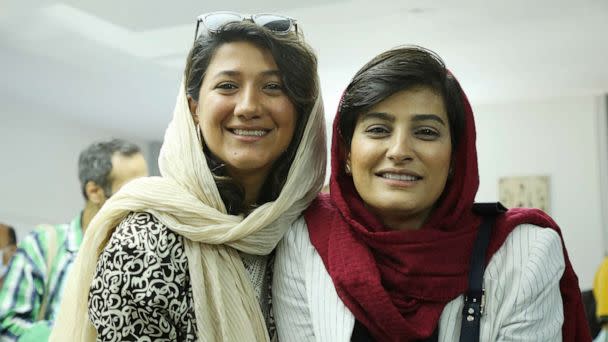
[{"x": 187, "y": 201}]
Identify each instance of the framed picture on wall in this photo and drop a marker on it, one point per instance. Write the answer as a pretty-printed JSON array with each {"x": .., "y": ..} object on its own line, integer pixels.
[{"x": 524, "y": 191}]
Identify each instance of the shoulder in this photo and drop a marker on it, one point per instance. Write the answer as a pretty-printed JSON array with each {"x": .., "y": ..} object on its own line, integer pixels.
[
  {"x": 141, "y": 242},
  {"x": 522, "y": 291},
  {"x": 142, "y": 239},
  {"x": 296, "y": 238},
  {"x": 141, "y": 230},
  {"x": 295, "y": 249},
  {"x": 530, "y": 259},
  {"x": 35, "y": 244},
  {"x": 45, "y": 229},
  {"x": 304, "y": 296},
  {"x": 297, "y": 254},
  {"x": 42, "y": 232},
  {"x": 530, "y": 242}
]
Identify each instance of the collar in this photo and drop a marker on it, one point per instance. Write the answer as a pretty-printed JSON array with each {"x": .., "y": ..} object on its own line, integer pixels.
[{"x": 74, "y": 234}]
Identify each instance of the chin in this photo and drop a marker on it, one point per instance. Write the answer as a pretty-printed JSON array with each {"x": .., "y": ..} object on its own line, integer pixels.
[
  {"x": 247, "y": 165},
  {"x": 394, "y": 205},
  {"x": 388, "y": 200}
]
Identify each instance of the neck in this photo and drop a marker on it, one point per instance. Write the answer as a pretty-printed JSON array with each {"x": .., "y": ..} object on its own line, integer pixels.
[
  {"x": 88, "y": 213},
  {"x": 252, "y": 182}
]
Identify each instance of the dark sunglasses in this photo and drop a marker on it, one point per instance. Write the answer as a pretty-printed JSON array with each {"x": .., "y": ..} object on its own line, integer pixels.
[{"x": 213, "y": 22}]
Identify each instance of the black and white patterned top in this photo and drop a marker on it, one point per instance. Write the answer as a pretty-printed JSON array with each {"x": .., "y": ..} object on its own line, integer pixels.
[{"x": 141, "y": 290}]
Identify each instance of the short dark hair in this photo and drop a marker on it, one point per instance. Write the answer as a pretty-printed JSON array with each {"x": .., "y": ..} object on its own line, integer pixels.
[
  {"x": 398, "y": 69},
  {"x": 95, "y": 163},
  {"x": 298, "y": 66}
]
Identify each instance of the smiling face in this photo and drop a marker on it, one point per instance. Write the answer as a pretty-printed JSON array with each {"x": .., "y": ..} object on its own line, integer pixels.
[
  {"x": 400, "y": 156},
  {"x": 246, "y": 118}
]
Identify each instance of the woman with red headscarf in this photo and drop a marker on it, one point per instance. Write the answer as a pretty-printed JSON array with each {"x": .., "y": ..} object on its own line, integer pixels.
[{"x": 394, "y": 252}]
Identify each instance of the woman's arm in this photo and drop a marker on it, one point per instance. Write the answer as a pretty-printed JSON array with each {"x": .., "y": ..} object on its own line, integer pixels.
[
  {"x": 141, "y": 285},
  {"x": 534, "y": 309}
]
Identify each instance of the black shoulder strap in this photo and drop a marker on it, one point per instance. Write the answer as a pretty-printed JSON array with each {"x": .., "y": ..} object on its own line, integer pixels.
[{"x": 474, "y": 299}]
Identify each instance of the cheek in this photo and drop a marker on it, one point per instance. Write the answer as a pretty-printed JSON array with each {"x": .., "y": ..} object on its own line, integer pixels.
[
  {"x": 290, "y": 125},
  {"x": 285, "y": 119},
  {"x": 285, "y": 110},
  {"x": 440, "y": 161},
  {"x": 363, "y": 155},
  {"x": 212, "y": 116}
]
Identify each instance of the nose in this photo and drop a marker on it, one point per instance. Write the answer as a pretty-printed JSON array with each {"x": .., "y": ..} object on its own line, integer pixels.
[
  {"x": 400, "y": 149},
  {"x": 248, "y": 104}
]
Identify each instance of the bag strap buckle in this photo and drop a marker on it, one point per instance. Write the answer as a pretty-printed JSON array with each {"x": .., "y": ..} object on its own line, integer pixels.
[{"x": 474, "y": 304}]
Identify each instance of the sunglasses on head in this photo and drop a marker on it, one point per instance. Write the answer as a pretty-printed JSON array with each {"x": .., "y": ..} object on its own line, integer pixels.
[{"x": 213, "y": 22}]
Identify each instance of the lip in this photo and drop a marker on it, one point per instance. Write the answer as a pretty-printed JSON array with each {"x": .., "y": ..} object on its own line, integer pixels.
[
  {"x": 399, "y": 172},
  {"x": 399, "y": 183},
  {"x": 251, "y": 128},
  {"x": 248, "y": 138}
]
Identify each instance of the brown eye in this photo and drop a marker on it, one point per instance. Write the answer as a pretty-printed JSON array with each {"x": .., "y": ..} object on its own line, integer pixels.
[
  {"x": 377, "y": 130},
  {"x": 226, "y": 86},
  {"x": 426, "y": 133},
  {"x": 274, "y": 86}
]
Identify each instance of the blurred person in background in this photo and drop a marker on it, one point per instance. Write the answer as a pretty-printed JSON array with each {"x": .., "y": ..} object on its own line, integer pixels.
[
  {"x": 35, "y": 280},
  {"x": 8, "y": 246}
]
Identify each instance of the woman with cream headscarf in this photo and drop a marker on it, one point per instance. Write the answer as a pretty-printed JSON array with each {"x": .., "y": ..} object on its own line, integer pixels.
[{"x": 184, "y": 256}]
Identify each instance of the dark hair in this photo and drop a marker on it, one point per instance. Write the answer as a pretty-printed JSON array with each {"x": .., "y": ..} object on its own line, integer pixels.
[
  {"x": 395, "y": 70},
  {"x": 298, "y": 66},
  {"x": 95, "y": 163},
  {"x": 12, "y": 236}
]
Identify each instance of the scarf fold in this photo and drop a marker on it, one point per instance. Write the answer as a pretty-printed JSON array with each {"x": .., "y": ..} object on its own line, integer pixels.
[
  {"x": 397, "y": 283},
  {"x": 186, "y": 200}
]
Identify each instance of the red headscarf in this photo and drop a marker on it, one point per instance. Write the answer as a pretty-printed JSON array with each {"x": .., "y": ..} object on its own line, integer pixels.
[{"x": 397, "y": 283}]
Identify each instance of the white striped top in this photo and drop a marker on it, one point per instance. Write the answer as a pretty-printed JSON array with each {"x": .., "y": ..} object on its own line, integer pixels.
[{"x": 523, "y": 300}]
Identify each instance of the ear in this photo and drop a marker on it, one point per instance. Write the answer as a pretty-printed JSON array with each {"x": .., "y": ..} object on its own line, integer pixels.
[
  {"x": 95, "y": 193},
  {"x": 347, "y": 165},
  {"x": 193, "y": 105}
]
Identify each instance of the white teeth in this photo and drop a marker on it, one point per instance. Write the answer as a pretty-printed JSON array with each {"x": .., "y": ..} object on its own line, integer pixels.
[
  {"x": 400, "y": 177},
  {"x": 249, "y": 133}
]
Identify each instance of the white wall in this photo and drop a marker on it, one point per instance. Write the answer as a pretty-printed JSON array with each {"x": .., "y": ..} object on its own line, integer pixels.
[
  {"x": 38, "y": 166},
  {"x": 555, "y": 137},
  {"x": 602, "y": 131}
]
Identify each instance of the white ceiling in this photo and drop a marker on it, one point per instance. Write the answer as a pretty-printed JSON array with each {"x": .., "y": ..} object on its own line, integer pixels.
[{"x": 117, "y": 64}]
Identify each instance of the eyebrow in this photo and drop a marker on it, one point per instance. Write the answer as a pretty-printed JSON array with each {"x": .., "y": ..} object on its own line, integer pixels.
[
  {"x": 234, "y": 73},
  {"x": 274, "y": 72},
  {"x": 378, "y": 115},
  {"x": 424, "y": 117},
  {"x": 391, "y": 118}
]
